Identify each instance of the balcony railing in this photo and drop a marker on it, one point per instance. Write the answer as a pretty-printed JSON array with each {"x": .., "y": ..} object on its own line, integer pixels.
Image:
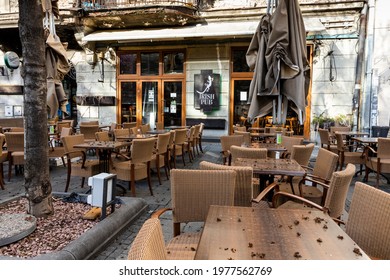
[{"x": 110, "y": 4}]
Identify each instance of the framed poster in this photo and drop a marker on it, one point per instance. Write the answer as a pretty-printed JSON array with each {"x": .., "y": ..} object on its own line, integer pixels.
[
  {"x": 206, "y": 91},
  {"x": 17, "y": 110}
]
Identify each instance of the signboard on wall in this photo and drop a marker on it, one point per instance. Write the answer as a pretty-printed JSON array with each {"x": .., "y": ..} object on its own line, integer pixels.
[{"x": 206, "y": 91}]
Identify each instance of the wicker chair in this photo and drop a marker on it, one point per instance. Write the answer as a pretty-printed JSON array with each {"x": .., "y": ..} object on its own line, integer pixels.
[
  {"x": 368, "y": 221},
  {"x": 288, "y": 142},
  {"x": 334, "y": 204},
  {"x": 246, "y": 152},
  {"x": 189, "y": 143},
  {"x": 326, "y": 140},
  {"x": 145, "y": 128},
  {"x": 243, "y": 193},
  {"x": 149, "y": 243},
  {"x": 345, "y": 156},
  {"x": 179, "y": 145},
  {"x": 193, "y": 191},
  {"x": 15, "y": 148},
  {"x": 324, "y": 167},
  {"x": 159, "y": 125},
  {"x": 246, "y": 135},
  {"x": 160, "y": 155},
  {"x": 195, "y": 145},
  {"x": 82, "y": 167},
  {"x": 102, "y": 136},
  {"x": 89, "y": 132},
  {"x": 226, "y": 142},
  {"x": 3, "y": 158},
  {"x": 129, "y": 124},
  {"x": 138, "y": 167},
  {"x": 199, "y": 137},
  {"x": 379, "y": 160},
  {"x": 121, "y": 132}
]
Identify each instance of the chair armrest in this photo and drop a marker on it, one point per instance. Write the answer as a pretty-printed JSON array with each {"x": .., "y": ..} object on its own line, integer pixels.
[
  {"x": 159, "y": 212},
  {"x": 296, "y": 197},
  {"x": 262, "y": 195}
]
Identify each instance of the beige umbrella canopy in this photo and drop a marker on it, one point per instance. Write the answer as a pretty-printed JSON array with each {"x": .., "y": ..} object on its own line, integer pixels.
[
  {"x": 57, "y": 64},
  {"x": 277, "y": 54}
]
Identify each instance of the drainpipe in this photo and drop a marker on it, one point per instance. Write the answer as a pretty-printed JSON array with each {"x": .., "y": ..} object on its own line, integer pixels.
[{"x": 358, "y": 72}]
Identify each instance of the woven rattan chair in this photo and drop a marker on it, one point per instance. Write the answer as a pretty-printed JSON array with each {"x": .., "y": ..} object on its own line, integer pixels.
[
  {"x": 246, "y": 152},
  {"x": 15, "y": 148},
  {"x": 121, "y": 132},
  {"x": 288, "y": 142},
  {"x": 378, "y": 160},
  {"x": 195, "y": 144},
  {"x": 345, "y": 156},
  {"x": 160, "y": 155},
  {"x": 145, "y": 128},
  {"x": 179, "y": 145},
  {"x": 149, "y": 243},
  {"x": 77, "y": 162},
  {"x": 138, "y": 167},
  {"x": 324, "y": 167},
  {"x": 129, "y": 124},
  {"x": 226, "y": 142},
  {"x": 326, "y": 140},
  {"x": 368, "y": 221},
  {"x": 89, "y": 132},
  {"x": 244, "y": 189},
  {"x": 3, "y": 158},
  {"x": 334, "y": 203},
  {"x": 199, "y": 137},
  {"x": 246, "y": 135},
  {"x": 193, "y": 191},
  {"x": 189, "y": 143},
  {"x": 159, "y": 125},
  {"x": 102, "y": 136}
]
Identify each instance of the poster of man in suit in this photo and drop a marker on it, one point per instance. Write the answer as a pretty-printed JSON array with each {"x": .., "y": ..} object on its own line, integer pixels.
[{"x": 206, "y": 91}]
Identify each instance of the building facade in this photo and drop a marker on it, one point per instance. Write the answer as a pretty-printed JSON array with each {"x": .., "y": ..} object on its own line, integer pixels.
[{"x": 183, "y": 62}]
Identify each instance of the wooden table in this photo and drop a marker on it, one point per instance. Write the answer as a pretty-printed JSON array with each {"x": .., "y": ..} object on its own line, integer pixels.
[
  {"x": 104, "y": 149},
  {"x": 262, "y": 135},
  {"x": 267, "y": 168},
  {"x": 366, "y": 140},
  {"x": 245, "y": 233},
  {"x": 157, "y": 131},
  {"x": 349, "y": 135}
]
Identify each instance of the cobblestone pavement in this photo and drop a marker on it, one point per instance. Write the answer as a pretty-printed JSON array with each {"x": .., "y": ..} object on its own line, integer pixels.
[{"x": 119, "y": 247}]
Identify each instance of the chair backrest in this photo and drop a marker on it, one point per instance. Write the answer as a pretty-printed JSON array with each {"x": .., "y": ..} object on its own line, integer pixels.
[
  {"x": 159, "y": 125},
  {"x": 89, "y": 131},
  {"x": 149, "y": 243},
  {"x": 379, "y": 131},
  {"x": 121, "y": 132},
  {"x": 246, "y": 136},
  {"x": 70, "y": 141},
  {"x": 368, "y": 221},
  {"x": 325, "y": 164},
  {"x": 114, "y": 126},
  {"x": 228, "y": 140},
  {"x": 191, "y": 133},
  {"x": 15, "y": 141},
  {"x": 196, "y": 130},
  {"x": 134, "y": 130},
  {"x": 324, "y": 136},
  {"x": 243, "y": 193},
  {"x": 142, "y": 150},
  {"x": 163, "y": 142},
  {"x": 201, "y": 129},
  {"x": 180, "y": 136},
  {"x": 288, "y": 142},
  {"x": 171, "y": 139},
  {"x": 16, "y": 129},
  {"x": 89, "y": 123},
  {"x": 2, "y": 140},
  {"x": 334, "y": 129},
  {"x": 338, "y": 190},
  {"x": 239, "y": 128},
  {"x": 340, "y": 142},
  {"x": 302, "y": 153},
  {"x": 246, "y": 152},
  {"x": 383, "y": 147},
  {"x": 102, "y": 136},
  {"x": 145, "y": 128},
  {"x": 66, "y": 131},
  {"x": 129, "y": 124},
  {"x": 194, "y": 190}
]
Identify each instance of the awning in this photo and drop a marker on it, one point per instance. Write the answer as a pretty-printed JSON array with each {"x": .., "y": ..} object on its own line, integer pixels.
[{"x": 212, "y": 30}]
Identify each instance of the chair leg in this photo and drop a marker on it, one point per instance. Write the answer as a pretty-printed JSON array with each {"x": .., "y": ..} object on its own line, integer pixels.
[
  {"x": 149, "y": 181},
  {"x": 132, "y": 178},
  {"x": 158, "y": 168},
  {"x": 10, "y": 164},
  {"x": 1, "y": 177},
  {"x": 82, "y": 181}
]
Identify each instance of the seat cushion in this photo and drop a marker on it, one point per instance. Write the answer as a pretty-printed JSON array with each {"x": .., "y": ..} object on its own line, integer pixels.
[
  {"x": 312, "y": 193},
  {"x": 183, "y": 246},
  {"x": 91, "y": 167}
]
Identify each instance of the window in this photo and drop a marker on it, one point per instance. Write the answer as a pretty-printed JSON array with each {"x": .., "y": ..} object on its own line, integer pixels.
[{"x": 128, "y": 63}]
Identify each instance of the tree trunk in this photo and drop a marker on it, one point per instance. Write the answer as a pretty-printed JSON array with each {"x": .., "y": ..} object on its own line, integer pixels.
[{"x": 36, "y": 168}]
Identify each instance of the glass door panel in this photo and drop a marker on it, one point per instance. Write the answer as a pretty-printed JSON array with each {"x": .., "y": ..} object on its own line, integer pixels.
[
  {"x": 128, "y": 101},
  {"x": 150, "y": 103},
  {"x": 172, "y": 104},
  {"x": 240, "y": 112}
]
